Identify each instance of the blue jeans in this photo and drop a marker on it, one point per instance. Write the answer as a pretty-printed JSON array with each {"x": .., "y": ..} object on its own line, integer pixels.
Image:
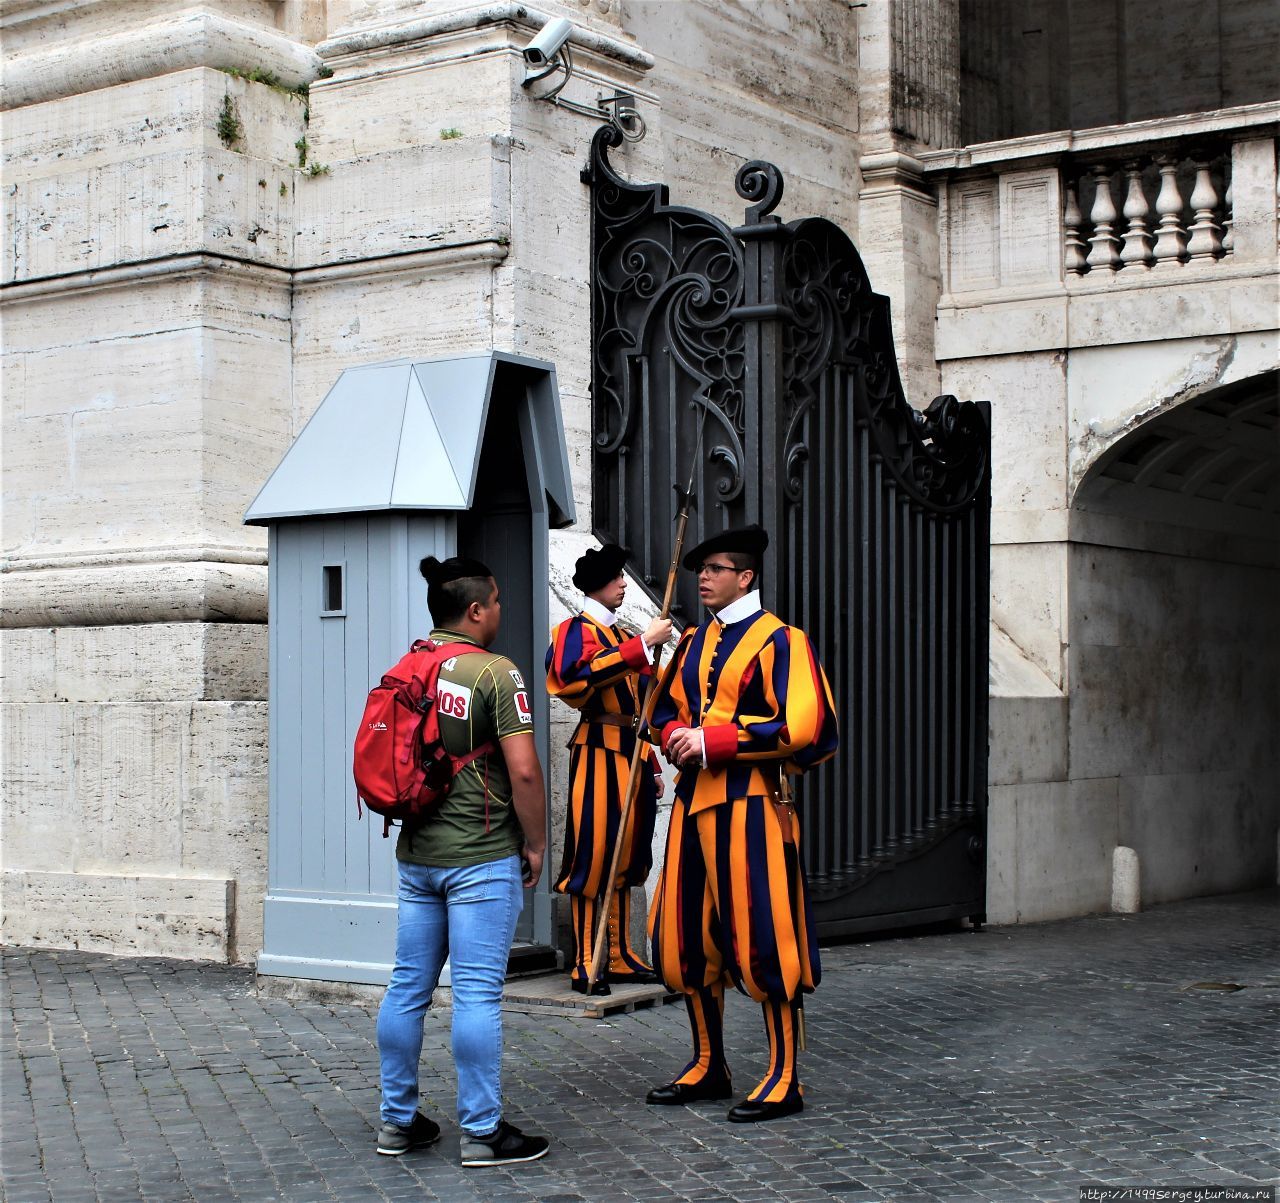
[{"x": 470, "y": 915}]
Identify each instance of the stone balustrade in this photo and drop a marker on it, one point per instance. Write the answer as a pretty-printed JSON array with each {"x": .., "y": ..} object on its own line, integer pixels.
[
  {"x": 1151, "y": 210},
  {"x": 1093, "y": 208}
]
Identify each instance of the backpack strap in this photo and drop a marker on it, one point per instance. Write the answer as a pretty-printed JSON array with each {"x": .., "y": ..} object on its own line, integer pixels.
[
  {"x": 461, "y": 762},
  {"x": 452, "y": 649},
  {"x": 457, "y": 649}
]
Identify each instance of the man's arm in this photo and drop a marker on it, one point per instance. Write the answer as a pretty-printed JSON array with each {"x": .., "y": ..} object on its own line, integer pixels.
[
  {"x": 578, "y": 664},
  {"x": 528, "y": 796}
]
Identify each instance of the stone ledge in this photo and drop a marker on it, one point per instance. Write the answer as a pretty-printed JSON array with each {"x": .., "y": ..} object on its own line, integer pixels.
[
  {"x": 194, "y": 38},
  {"x": 1157, "y": 309},
  {"x": 1034, "y": 147},
  {"x": 478, "y": 16},
  {"x": 187, "y": 917},
  {"x": 128, "y": 593}
]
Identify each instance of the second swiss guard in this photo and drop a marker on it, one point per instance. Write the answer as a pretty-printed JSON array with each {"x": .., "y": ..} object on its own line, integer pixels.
[
  {"x": 600, "y": 668},
  {"x": 743, "y": 702}
]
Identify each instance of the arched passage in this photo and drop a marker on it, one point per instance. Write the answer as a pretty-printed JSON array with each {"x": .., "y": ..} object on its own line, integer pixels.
[{"x": 1174, "y": 647}]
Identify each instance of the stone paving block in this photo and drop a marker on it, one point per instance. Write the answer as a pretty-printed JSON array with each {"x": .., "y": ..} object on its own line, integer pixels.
[{"x": 1009, "y": 1065}]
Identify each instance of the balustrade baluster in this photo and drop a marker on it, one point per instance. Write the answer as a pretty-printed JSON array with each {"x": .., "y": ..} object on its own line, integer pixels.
[
  {"x": 1072, "y": 247},
  {"x": 1171, "y": 238},
  {"x": 1228, "y": 222},
  {"x": 1137, "y": 240},
  {"x": 1103, "y": 244},
  {"x": 1206, "y": 235}
]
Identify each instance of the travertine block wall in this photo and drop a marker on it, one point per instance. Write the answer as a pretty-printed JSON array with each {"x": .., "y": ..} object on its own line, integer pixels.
[
  {"x": 1034, "y": 65},
  {"x": 180, "y": 295},
  {"x": 1107, "y": 732},
  {"x": 755, "y": 80},
  {"x": 148, "y": 387},
  {"x": 133, "y": 816}
]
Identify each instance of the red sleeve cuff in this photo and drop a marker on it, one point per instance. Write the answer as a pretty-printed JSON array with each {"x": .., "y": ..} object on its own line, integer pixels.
[
  {"x": 633, "y": 653},
  {"x": 721, "y": 743},
  {"x": 669, "y": 730}
]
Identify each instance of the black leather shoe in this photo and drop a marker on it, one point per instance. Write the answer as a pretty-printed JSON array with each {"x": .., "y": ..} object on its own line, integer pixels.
[
  {"x": 579, "y": 985},
  {"x": 748, "y": 1112},
  {"x": 677, "y": 1094},
  {"x": 642, "y": 977}
]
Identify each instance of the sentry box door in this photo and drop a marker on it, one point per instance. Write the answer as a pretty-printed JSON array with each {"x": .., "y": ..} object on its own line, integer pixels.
[{"x": 400, "y": 461}]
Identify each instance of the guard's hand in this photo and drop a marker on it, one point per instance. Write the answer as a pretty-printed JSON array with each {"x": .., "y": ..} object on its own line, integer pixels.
[
  {"x": 657, "y": 632},
  {"x": 534, "y": 862},
  {"x": 659, "y": 784},
  {"x": 685, "y": 748}
]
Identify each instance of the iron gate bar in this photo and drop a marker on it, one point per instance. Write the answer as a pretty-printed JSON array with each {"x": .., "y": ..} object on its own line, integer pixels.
[{"x": 879, "y": 513}]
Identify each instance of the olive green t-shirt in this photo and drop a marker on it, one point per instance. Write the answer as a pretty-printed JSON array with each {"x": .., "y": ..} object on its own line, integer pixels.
[{"x": 481, "y": 696}]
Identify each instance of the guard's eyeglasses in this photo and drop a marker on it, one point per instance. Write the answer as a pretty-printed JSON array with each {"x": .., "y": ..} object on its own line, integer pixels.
[{"x": 717, "y": 569}]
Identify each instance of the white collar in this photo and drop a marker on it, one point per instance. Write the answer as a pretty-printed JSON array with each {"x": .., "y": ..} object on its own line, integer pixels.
[
  {"x": 747, "y": 605},
  {"x": 598, "y": 613}
]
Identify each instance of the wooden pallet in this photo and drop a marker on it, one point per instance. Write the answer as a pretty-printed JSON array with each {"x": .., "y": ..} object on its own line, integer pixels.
[{"x": 552, "y": 995}]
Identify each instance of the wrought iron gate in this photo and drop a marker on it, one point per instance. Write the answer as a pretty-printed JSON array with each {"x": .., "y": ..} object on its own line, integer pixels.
[{"x": 879, "y": 514}]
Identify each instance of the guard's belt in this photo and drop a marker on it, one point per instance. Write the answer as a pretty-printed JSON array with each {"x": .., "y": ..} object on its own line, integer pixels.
[{"x": 628, "y": 722}]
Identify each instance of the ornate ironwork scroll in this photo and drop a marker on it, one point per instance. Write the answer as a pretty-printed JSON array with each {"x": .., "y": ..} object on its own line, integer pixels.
[{"x": 879, "y": 513}]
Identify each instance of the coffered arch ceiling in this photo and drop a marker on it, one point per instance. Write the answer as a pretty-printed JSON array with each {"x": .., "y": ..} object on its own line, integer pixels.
[{"x": 1212, "y": 463}]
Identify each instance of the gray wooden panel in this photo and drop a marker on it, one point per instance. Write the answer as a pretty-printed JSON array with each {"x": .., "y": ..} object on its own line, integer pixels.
[
  {"x": 330, "y": 908},
  {"x": 285, "y": 722},
  {"x": 308, "y": 801},
  {"x": 500, "y": 530},
  {"x": 335, "y": 731},
  {"x": 535, "y": 921},
  {"x": 334, "y": 939},
  {"x": 358, "y": 669}
]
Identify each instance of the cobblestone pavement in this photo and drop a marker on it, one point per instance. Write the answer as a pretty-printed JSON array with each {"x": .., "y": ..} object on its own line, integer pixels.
[{"x": 1010, "y": 1064}]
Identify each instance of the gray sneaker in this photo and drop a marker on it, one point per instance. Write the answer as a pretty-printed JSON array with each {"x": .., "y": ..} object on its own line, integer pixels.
[
  {"x": 504, "y": 1146},
  {"x": 393, "y": 1140}
]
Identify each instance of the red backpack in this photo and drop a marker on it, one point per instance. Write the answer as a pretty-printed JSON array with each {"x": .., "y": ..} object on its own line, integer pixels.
[{"x": 401, "y": 768}]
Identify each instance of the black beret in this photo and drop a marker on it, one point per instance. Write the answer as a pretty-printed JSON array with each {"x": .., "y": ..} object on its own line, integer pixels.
[
  {"x": 750, "y": 540},
  {"x": 441, "y": 572},
  {"x": 595, "y": 569}
]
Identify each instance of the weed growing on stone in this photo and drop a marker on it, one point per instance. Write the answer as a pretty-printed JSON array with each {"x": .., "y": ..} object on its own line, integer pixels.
[{"x": 229, "y": 127}]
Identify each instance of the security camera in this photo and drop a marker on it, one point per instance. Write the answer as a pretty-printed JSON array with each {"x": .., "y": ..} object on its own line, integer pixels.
[{"x": 551, "y": 37}]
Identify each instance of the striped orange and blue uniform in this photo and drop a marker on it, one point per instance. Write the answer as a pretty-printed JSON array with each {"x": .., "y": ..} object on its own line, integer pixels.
[
  {"x": 732, "y": 904},
  {"x": 598, "y": 670}
]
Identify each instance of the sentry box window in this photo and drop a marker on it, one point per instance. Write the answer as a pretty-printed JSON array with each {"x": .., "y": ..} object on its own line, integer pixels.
[{"x": 332, "y": 600}]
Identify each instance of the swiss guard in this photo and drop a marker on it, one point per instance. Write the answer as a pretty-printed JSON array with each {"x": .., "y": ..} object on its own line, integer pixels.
[
  {"x": 599, "y": 668},
  {"x": 743, "y": 702}
]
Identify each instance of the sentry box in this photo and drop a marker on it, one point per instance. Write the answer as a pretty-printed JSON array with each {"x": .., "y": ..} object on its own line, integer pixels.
[{"x": 458, "y": 456}]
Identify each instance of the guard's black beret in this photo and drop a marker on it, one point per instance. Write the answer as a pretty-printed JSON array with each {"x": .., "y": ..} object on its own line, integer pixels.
[
  {"x": 750, "y": 540},
  {"x": 598, "y": 566},
  {"x": 441, "y": 572}
]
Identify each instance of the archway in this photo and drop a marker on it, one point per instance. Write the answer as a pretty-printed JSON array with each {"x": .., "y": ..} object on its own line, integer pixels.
[{"x": 1174, "y": 656}]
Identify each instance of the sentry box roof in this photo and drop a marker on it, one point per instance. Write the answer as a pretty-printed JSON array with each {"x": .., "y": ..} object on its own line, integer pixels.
[{"x": 407, "y": 435}]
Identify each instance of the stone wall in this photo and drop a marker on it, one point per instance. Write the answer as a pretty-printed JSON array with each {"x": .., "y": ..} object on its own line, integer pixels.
[
  {"x": 1029, "y": 66},
  {"x": 191, "y": 257},
  {"x": 148, "y": 373},
  {"x": 1086, "y": 725},
  {"x": 1174, "y": 711}
]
